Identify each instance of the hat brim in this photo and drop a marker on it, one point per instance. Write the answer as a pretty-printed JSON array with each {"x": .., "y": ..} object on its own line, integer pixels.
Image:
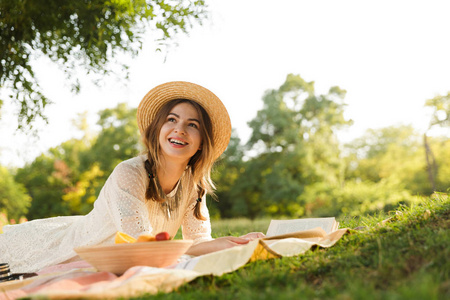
[{"x": 156, "y": 98}]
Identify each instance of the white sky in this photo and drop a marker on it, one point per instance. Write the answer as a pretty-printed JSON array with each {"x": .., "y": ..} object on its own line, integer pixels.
[{"x": 390, "y": 56}]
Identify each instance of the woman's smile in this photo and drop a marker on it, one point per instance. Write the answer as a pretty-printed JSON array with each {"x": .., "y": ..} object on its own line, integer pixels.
[{"x": 177, "y": 142}]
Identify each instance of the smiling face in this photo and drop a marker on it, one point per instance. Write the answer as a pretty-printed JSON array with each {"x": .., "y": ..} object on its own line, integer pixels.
[{"x": 180, "y": 135}]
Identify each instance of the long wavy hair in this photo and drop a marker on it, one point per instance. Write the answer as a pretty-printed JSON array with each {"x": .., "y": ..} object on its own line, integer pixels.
[{"x": 200, "y": 164}]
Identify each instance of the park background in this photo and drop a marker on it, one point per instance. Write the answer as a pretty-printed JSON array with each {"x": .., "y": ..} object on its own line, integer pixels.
[{"x": 339, "y": 108}]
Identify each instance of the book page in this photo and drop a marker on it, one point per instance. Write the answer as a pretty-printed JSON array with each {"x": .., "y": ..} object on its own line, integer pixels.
[{"x": 278, "y": 227}]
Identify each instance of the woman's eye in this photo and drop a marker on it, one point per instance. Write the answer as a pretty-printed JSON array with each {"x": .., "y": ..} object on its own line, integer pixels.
[
  {"x": 193, "y": 125},
  {"x": 171, "y": 120}
]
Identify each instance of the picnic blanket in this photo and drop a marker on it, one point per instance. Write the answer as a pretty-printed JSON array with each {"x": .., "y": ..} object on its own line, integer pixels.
[{"x": 80, "y": 280}]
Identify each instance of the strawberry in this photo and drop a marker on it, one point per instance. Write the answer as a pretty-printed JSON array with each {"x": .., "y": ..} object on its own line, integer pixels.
[{"x": 162, "y": 236}]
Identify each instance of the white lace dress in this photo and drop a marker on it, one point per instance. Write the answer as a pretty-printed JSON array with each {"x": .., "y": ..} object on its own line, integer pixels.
[{"x": 121, "y": 206}]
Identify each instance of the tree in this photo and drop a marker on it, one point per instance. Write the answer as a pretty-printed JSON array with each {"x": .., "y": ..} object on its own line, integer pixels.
[
  {"x": 294, "y": 138},
  {"x": 82, "y": 194},
  {"x": 68, "y": 178},
  {"x": 81, "y": 176},
  {"x": 392, "y": 154},
  {"x": 45, "y": 179},
  {"x": 14, "y": 200},
  {"x": 228, "y": 169},
  {"x": 441, "y": 110},
  {"x": 118, "y": 139},
  {"x": 440, "y": 117},
  {"x": 87, "y": 34}
]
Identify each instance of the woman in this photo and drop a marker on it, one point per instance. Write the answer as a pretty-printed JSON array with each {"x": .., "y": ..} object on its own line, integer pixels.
[{"x": 184, "y": 128}]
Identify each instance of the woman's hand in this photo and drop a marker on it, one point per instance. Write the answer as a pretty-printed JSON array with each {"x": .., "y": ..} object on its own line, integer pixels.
[
  {"x": 253, "y": 235},
  {"x": 216, "y": 245}
]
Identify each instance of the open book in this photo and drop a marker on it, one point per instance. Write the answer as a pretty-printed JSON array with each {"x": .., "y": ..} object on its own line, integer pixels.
[{"x": 283, "y": 227}]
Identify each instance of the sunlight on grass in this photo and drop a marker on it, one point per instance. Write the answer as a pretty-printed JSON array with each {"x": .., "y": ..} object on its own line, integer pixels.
[
  {"x": 401, "y": 254},
  {"x": 238, "y": 226}
]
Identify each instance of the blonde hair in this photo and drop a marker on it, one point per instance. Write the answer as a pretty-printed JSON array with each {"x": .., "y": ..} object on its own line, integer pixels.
[{"x": 200, "y": 164}]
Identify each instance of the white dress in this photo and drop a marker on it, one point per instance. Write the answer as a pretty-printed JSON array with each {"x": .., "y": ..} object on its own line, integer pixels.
[{"x": 121, "y": 206}]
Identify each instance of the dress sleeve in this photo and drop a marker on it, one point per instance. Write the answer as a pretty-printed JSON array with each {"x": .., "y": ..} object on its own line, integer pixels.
[
  {"x": 195, "y": 229},
  {"x": 125, "y": 195}
]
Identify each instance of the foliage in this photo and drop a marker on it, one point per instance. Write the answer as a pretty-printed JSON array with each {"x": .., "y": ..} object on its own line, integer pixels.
[
  {"x": 68, "y": 179},
  {"x": 441, "y": 147},
  {"x": 440, "y": 117},
  {"x": 294, "y": 138},
  {"x": 226, "y": 172},
  {"x": 386, "y": 153},
  {"x": 441, "y": 110},
  {"x": 81, "y": 196},
  {"x": 118, "y": 139},
  {"x": 14, "y": 200},
  {"x": 396, "y": 154},
  {"x": 294, "y": 113},
  {"x": 87, "y": 34},
  {"x": 402, "y": 256},
  {"x": 292, "y": 165},
  {"x": 45, "y": 179},
  {"x": 355, "y": 198}
]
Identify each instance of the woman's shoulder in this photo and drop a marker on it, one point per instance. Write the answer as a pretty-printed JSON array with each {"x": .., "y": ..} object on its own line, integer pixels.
[{"x": 134, "y": 165}]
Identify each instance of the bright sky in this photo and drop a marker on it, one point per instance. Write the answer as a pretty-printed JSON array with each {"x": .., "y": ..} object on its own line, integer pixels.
[{"x": 390, "y": 56}]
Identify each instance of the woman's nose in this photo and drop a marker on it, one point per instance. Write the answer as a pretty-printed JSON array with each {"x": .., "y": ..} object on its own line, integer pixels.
[{"x": 180, "y": 128}]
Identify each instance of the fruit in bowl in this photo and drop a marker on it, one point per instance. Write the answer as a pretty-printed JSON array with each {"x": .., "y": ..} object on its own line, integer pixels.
[
  {"x": 162, "y": 236},
  {"x": 122, "y": 238}
]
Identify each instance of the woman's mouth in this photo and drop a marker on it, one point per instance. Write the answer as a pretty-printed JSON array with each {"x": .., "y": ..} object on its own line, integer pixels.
[{"x": 177, "y": 142}]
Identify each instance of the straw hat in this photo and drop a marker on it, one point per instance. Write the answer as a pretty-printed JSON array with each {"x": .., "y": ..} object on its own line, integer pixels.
[{"x": 160, "y": 95}]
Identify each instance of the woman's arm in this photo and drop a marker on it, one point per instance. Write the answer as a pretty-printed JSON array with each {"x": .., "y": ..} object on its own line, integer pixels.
[
  {"x": 222, "y": 243},
  {"x": 200, "y": 232},
  {"x": 216, "y": 245},
  {"x": 195, "y": 229}
]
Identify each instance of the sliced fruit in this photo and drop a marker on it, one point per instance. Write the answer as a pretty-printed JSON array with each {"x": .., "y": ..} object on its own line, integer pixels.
[
  {"x": 122, "y": 238},
  {"x": 145, "y": 238}
]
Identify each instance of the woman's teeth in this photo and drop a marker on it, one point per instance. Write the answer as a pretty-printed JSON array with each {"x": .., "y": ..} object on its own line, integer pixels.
[{"x": 173, "y": 141}]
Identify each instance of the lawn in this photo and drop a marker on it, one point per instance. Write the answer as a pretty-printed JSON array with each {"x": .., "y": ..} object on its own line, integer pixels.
[{"x": 404, "y": 257}]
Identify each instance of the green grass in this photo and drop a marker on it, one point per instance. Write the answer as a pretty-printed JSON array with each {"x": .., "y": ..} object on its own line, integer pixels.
[
  {"x": 407, "y": 257},
  {"x": 239, "y": 226}
]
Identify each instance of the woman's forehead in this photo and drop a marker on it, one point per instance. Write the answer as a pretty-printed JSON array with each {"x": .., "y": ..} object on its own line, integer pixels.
[{"x": 185, "y": 110}]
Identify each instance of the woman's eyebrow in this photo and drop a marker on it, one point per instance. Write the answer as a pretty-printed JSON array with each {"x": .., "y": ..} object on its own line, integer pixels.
[
  {"x": 190, "y": 119},
  {"x": 193, "y": 119}
]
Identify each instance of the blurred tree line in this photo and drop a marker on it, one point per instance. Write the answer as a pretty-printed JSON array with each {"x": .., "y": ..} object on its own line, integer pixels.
[{"x": 293, "y": 165}]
